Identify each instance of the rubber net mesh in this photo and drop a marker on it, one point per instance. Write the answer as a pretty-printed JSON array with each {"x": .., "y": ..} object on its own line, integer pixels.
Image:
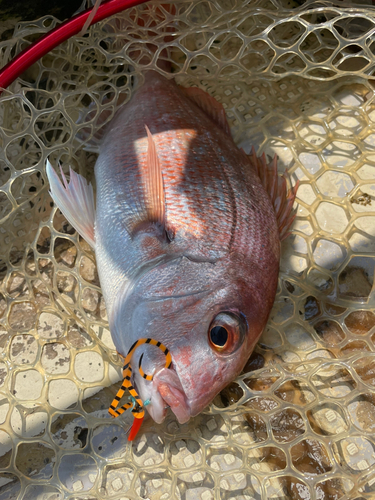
[{"x": 299, "y": 422}]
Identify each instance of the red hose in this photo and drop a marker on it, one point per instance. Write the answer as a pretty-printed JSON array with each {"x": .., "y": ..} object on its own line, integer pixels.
[{"x": 53, "y": 38}]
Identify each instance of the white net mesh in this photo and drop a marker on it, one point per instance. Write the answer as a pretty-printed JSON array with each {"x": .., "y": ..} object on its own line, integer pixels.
[{"x": 299, "y": 423}]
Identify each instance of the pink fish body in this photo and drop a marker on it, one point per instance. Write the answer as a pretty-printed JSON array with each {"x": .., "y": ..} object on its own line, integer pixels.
[{"x": 187, "y": 241}]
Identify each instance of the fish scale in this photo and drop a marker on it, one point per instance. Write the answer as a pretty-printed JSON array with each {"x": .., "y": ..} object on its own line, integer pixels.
[
  {"x": 198, "y": 194},
  {"x": 187, "y": 242}
]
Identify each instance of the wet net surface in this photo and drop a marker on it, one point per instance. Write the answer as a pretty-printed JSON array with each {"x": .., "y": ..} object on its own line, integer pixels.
[{"x": 299, "y": 422}]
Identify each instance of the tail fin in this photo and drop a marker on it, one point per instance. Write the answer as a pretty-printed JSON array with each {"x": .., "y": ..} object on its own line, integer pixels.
[
  {"x": 94, "y": 119},
  {"x": 153, "y": 16}
]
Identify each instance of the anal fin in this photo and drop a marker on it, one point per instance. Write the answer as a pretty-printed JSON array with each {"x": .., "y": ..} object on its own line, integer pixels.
[
  {"x": 277, "y": 188},
  {"x": 75, "y": 200},
  {"x": 209, "y": 105}
]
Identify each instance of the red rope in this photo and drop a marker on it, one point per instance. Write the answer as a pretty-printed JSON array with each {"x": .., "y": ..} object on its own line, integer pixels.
[{"x": 53, "y": 38}]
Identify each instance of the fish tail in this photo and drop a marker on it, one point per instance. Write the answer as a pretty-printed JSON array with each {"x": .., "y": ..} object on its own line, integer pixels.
[
  {"x": 94, "y": 119},
  {"x": 152, "y": 16}
]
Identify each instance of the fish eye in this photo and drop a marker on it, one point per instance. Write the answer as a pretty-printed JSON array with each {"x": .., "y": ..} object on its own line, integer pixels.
[
  {"x": 226, "y": 332},
  {"x": 219, "y": 336}
]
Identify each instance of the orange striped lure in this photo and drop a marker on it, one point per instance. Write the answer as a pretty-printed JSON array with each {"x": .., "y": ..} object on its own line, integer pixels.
[{"x": 137, "y": 404}]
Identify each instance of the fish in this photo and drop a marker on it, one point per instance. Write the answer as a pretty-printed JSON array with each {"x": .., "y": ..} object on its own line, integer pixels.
[{"x": 186, "y": 229}]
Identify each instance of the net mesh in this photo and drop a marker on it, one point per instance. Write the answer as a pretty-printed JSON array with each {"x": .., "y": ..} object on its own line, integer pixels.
[{"x": 299, "y": 422}]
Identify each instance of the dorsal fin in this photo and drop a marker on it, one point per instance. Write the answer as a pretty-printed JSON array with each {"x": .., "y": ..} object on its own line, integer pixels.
[
  {"x": 209, "y": 105},
  {"x": 277, "y": 188},
  {"x": 153, "y": 213}
]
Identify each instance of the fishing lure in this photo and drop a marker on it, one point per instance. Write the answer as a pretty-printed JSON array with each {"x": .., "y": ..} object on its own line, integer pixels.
[{"x": 137, "y": 404}]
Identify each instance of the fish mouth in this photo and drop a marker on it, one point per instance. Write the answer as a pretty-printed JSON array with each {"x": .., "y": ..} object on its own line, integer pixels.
[
  {"x": 168, "y": 384},
  {"x": 165, "y": 391}
]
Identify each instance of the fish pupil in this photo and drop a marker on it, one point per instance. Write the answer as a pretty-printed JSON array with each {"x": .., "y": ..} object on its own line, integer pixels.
[{"x": 219, "y": 336}]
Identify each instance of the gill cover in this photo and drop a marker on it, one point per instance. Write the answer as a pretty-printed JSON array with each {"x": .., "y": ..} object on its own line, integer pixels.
[{"x": 163, "y": 290}]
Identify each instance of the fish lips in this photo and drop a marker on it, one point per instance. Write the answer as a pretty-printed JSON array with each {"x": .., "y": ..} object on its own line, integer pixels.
[
  {"x": 168, "y": 384},
  {"x": 165, "y": 391}
]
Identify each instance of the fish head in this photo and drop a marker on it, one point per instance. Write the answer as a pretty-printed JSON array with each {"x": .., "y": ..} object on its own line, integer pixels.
[{"x": 208, "y": 317}]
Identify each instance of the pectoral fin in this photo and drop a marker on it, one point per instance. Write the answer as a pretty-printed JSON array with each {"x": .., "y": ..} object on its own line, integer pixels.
[
  {"x": 75, "y": 200},
  {"x": 153, "y": 214},
  {"x": 155, "y": 198}
]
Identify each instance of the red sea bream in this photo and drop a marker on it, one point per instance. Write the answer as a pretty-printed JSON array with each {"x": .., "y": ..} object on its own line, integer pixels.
[{"x": 186, "y": 232}]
